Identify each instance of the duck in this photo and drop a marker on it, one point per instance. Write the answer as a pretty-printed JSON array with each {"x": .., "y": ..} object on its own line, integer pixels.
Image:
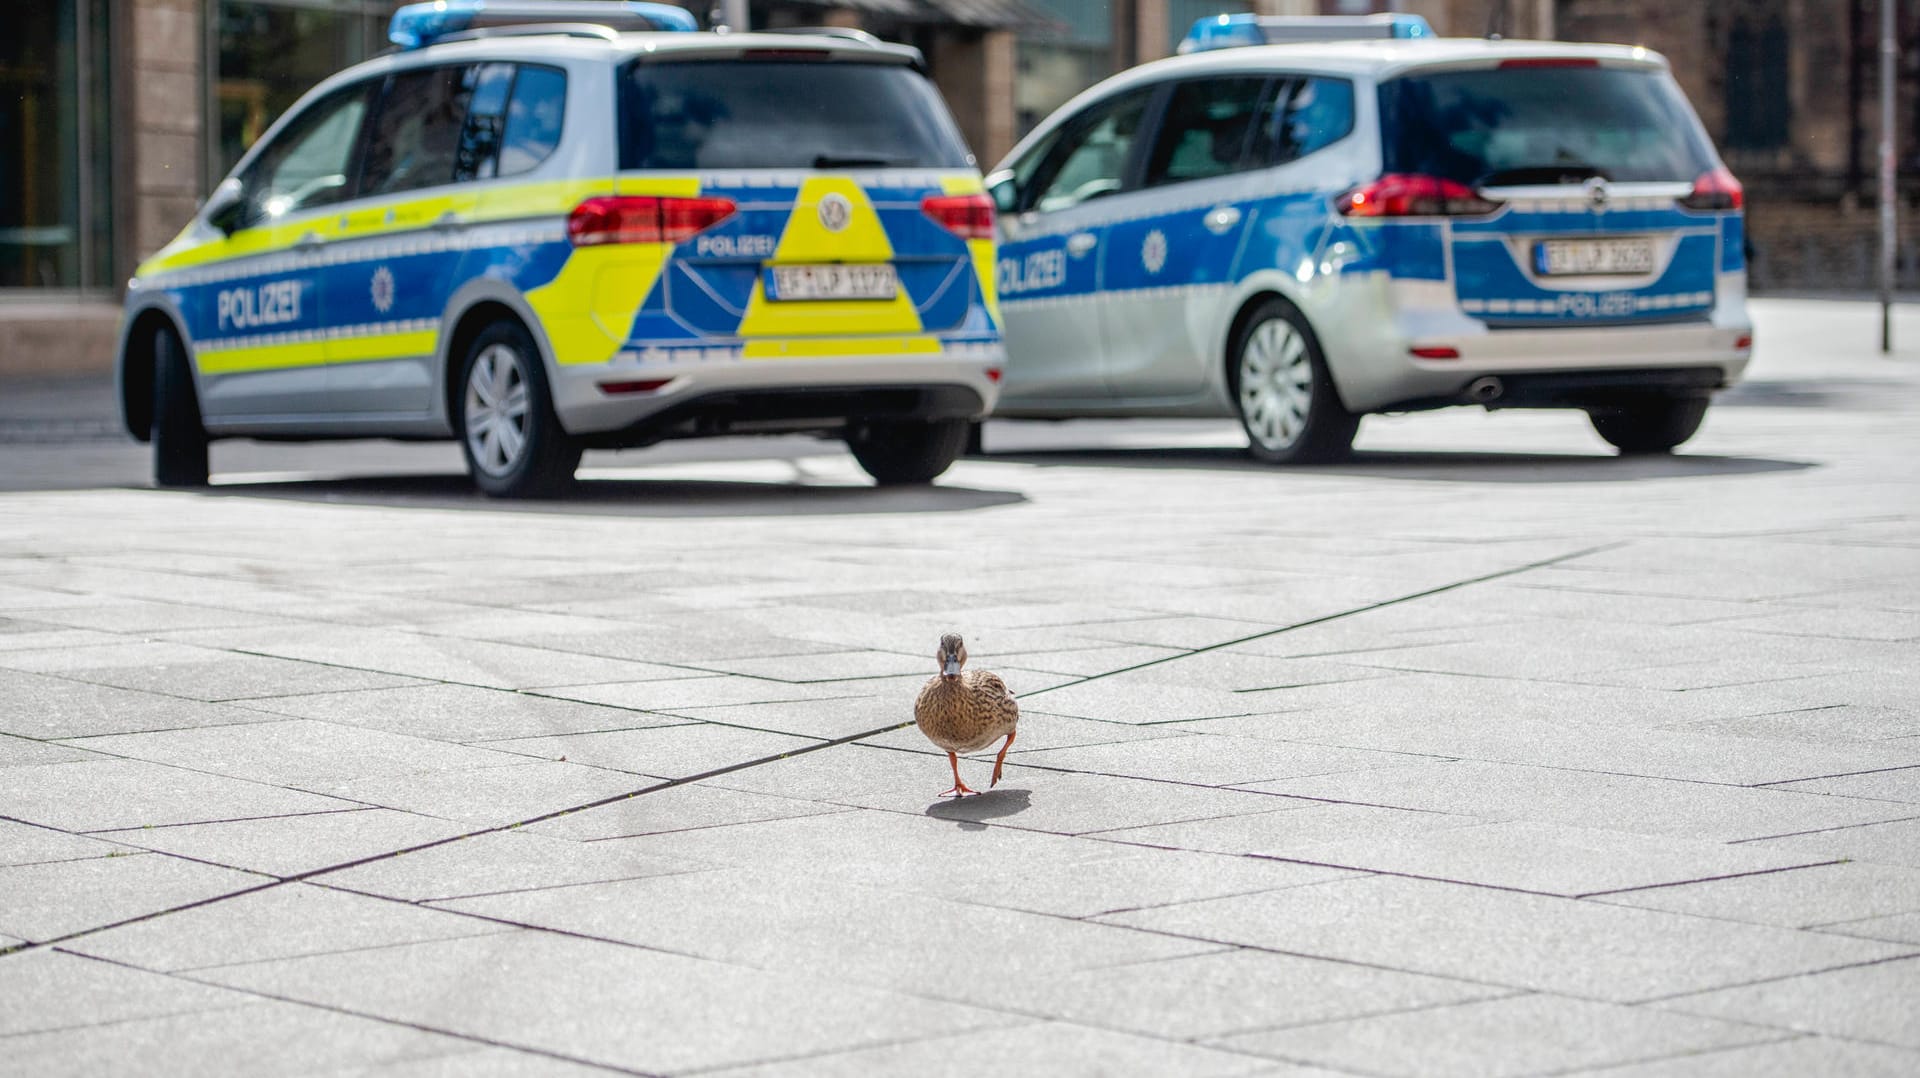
[{"x": 965, "y": 711}]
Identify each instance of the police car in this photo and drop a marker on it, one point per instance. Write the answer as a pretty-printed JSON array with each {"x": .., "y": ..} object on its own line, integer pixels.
[
  {"x": 1300, "y": 234},
  {"x": 540, "y": 238}
]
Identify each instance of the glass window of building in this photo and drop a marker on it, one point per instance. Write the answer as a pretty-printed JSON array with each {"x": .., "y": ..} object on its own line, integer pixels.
[
  {"x": 266, "y": 53},
  {"x": 54, "y": 155}
]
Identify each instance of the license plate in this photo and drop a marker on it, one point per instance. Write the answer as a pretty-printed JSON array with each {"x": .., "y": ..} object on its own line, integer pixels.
[
  {"x": 832, "y": 282},
  {"x": 1577, "y": 258}
]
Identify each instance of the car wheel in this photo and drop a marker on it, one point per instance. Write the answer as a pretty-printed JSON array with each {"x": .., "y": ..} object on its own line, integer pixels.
[
  {"x": 1655, "y": 425},
  {"x": 908, "y": 451},
  {"x": 1286, "y": 402},
  {"x": 179, "y": 437},
  {"x": 514, "y": 445}
]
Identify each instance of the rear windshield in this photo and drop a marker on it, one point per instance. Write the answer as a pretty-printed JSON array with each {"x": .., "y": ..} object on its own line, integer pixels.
[
  {"x": 1542, "y": 125},
  {"x": 722, "y": 114}
]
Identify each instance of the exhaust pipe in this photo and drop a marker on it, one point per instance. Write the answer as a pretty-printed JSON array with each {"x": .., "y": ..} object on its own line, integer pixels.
[{"x": 1485, "y": 390}]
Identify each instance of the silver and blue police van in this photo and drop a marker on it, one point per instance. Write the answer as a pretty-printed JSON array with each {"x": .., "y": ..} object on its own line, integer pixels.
[{"x": 1302, "y": 234}]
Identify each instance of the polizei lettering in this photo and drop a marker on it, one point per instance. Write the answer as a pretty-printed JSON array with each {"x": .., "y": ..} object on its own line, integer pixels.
[
  {"x": 273, "y": 304},
  {"x": 1041, "y": 270}
]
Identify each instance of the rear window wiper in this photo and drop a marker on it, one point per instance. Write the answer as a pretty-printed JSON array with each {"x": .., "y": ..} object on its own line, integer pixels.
[
  {"x": 826, "y": 160},
  {"x": 1540, "y": 174}
]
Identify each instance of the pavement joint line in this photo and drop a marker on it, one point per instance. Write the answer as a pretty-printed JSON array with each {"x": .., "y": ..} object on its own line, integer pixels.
[
  {"x": 1842, "y": 967},
  {"x": 1830, "y": 830},
  {"x": 99, "y": 832},
  {"x": 1712, "y": 879},
  {"x": 1915, "y": 767},
  {"x": 1788, "y": 1036},
  {"x": 849, "y": 739}
]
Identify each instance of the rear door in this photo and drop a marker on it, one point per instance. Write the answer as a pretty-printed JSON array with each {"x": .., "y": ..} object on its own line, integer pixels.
[
  {"x": 1594, "y": 164},
  {"x": 808, "y": 207}
]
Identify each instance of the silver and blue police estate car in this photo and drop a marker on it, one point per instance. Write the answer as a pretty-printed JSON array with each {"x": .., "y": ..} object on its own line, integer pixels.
[
  {"x": 1301, "y": 234},
  {"x": 536, "y": 239}
]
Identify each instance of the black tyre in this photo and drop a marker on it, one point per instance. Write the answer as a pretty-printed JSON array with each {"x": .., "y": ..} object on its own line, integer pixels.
[
  {"x": 1285, "y": 400},
  {"x": 1654, "y": 425},
  {"x": 179, "y": 437},
  {"x": 908, "y": 451},
  {"x": 514, "y": 444}
]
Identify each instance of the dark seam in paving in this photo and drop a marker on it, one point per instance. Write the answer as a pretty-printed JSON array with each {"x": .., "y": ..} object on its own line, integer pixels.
[
  {"x": 1841, "y": 775},
  {"x": 1830, "y": 830},
  {"x": 1843, "y": 967},
  {"x": 103, "y": 831},
  {"x": 1788, "y": 1037},
  {"x": 1417, "y": 876},
  {"x": 480, "y": 933},
  {"x": 714, "y": 773},
  {"x": 1711, "y": 879},
  {"x": 265, "y": 717}
]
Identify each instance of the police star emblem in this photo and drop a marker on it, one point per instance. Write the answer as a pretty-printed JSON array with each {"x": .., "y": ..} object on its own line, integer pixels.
[
  {"x": 383, "y": 290},
  {"x": 1153, "y": 253}
]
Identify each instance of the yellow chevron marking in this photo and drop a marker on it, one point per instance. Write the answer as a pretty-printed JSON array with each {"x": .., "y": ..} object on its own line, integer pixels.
[{"x": 806, "y": 239}]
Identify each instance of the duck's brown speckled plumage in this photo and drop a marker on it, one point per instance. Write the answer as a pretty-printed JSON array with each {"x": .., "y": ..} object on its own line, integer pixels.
[{"x": 965, "y": 710}]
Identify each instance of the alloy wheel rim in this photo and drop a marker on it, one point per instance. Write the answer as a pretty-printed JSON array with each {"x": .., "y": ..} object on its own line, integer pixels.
[
  {"x": 496, "y": 410},
  {"x": 1276, "y": 384}
]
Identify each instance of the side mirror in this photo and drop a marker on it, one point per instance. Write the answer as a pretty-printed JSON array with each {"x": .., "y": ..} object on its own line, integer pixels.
[
  {"x": 225, "y": 205},
  {"x": 1005, "y": 195}
]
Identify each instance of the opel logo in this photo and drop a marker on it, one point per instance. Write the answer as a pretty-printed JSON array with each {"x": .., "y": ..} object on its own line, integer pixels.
[
  {"x": 1597, "y": 194},
  {"x": 835, "y": 213}
]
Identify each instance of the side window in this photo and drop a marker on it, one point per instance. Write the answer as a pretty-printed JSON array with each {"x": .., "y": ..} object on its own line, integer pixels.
[
  {"x": 1090, "y": 158},
  {"x": 310, "y": 163},
  {"x": 415, "y": 141},
  {"x": 1208, "y": 126},
  {"x": 533, "y": 118},
  {"x": 1302, "y": 115},
  {"x": 479, "y": 155}
]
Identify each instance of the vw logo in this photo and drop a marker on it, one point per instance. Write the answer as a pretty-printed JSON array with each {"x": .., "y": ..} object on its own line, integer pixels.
[
  {"x": 1597, "y": 194},
  {"x": 835, "y": 212}
]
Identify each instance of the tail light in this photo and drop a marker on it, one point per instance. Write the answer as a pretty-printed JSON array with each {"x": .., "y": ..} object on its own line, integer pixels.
[
  {"x": 1400, "y": 195},
  {"x": 1717, "y": 190},
  {"x": 644, "y": 219},
  {"x": 969, "y": 217}
]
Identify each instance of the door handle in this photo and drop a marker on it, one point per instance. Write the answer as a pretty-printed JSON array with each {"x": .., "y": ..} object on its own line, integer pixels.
[
  {"x": 1222, "y": 220},
  {"x": 1080, "y": 243},
  {"x": 308, "y": 242}
]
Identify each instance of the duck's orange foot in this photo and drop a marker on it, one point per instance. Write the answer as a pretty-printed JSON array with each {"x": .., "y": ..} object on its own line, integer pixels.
[{"x": 960, "y": 789}]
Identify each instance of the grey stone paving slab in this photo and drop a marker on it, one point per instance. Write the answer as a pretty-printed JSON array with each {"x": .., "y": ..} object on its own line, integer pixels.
[
  {"x": 1795, "y": 1058},
  {"x": 1050, "y": 1048},
  {"x": 1900, "y": 784},
  {"x": 25, "y": 752},
  {"x": 46, "y": 901},
  {"x": 489, "y": 796},
  {"x": 280, "y": 922},
  {"x": 1003, "y": 867},
  {"x": 1026, "y": 798},
  {"x": 1899, "y": 928},
  {"x": 1550, "y": 858},
  {"x": 54, "y": 636},
  {"x": 300, "y": 753},
  {"x": 691, "y": 640},
  {"x": 1217, "y": 759},
  {"x": 680, "y": 808},
  {"x": 22, "y": 844},
  {"x": 134, "y": 793},
  {"x": 666, "y": 752},
  {"x": 1651, "y": 806},
  {"x": 139, "y": 616},
  {"x": 196, "y": 673},
  {"x": 602, "y": 1003},
  {"x": 1232, "y": 991},
  {"x": 44, "y": 706},
  {"x": 1140, "y": 699},
  {"x": 460, "y": 713},
  {"x": 485, "y": 1063},
  {"x": 1867, "y": 1003},
  {"x": 1478, "y": 1039},
  {"x": 1832, "y": 722},
  {"x": 1298, "y": 829},
  {"x": 905, "y": 942},
  {"x": 1798, "y": 899},
  {"x": 1527, "y": 941},
  {"x": 1895, "y": 843},
  {"x": 289, "y": 845},
  {"x": 467, "y": 662},
  {"x": 242, "y": 1042},
  {"x": 1851, "y": 624},
  {"x": 825, "y": 666},
  {"x": 708, "y": 691},
  {"x": 49, "y": 989},
  {"x": 504, "y": 861},
  {"x": 833, "y": 718},
  {"x": 1174, "y": 631},
  {"x": 1077, "y": 662}
]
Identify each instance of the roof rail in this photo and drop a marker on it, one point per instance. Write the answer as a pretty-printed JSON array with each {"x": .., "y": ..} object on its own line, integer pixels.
[
  {"x": 1233, "y": 31},
  {"x": 421, "y": 24},
  {"x": 533, "y": 29}
]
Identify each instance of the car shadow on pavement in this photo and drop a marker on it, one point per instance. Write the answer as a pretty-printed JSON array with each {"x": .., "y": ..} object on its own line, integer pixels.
[
  {"x": 1443, "y": 466},
  {"x": 630, "y": 497},
  {"x": 971, "y": 813}
]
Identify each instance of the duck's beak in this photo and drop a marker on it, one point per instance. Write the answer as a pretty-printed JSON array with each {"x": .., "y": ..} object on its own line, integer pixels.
[{"x": 952, "y": 667}]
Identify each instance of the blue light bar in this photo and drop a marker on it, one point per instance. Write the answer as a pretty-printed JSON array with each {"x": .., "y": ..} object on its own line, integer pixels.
[
  {"x": 1235, "y": 31},
  {"x": 419, "y": 25}
]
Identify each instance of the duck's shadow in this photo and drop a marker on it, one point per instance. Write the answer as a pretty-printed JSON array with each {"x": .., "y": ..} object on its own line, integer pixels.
[{"x": 972, "y": 812}]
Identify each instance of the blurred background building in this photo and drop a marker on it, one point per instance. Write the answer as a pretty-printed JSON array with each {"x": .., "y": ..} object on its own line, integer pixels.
[{"x": 116, "y": 116}]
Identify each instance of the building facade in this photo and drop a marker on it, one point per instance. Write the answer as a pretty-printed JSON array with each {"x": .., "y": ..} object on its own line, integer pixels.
[{"x": 116, "y": 116}]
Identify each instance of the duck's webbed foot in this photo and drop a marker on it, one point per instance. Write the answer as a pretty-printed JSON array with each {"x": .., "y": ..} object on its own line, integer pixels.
[{"x": 960, "y": 789}]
